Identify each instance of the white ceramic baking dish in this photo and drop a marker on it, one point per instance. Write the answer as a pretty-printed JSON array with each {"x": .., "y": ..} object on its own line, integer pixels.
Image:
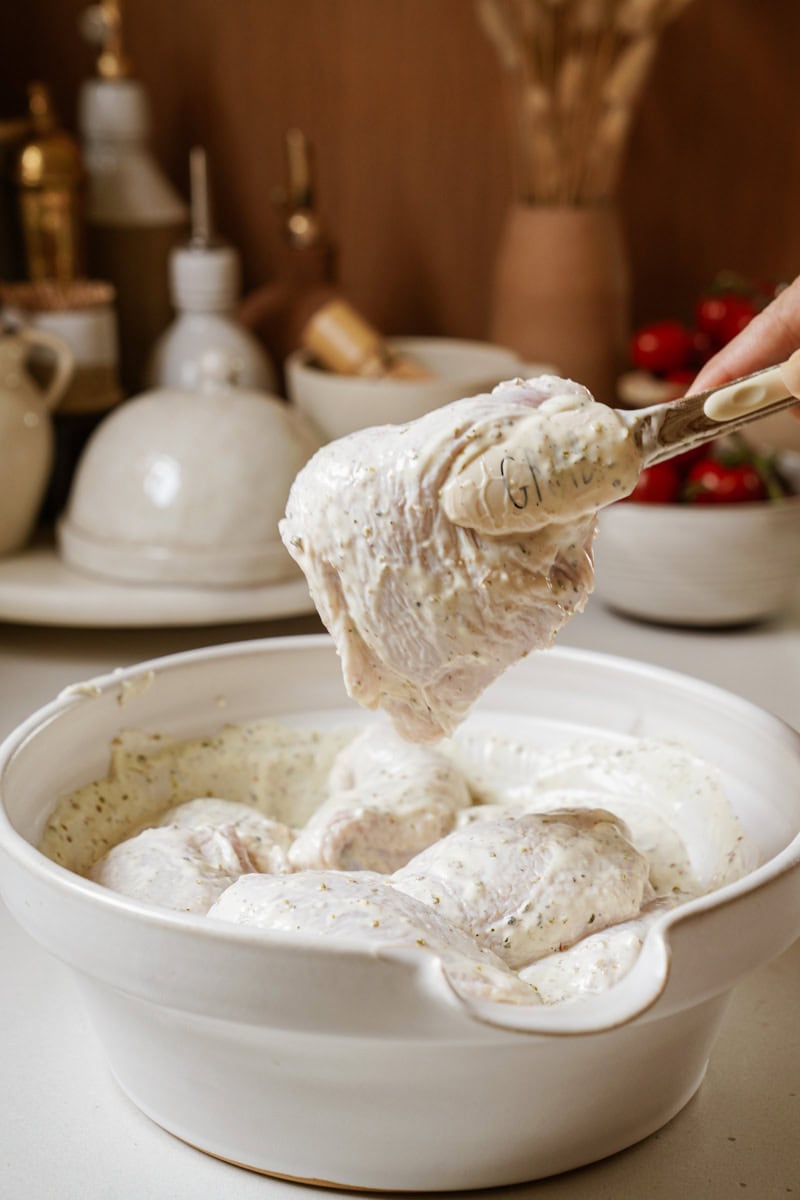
[{"x": 330, "y": 1063}]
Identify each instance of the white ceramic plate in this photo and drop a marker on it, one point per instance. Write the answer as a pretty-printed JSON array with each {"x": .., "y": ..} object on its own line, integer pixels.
[{"x": 37, "y": 588}]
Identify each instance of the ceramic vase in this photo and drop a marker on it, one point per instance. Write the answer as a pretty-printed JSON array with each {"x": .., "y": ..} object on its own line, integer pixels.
[{"x": 561, "y": 291}]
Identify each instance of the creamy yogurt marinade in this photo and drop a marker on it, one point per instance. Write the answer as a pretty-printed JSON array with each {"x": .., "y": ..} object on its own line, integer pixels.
[{"x": 531, "y": 868}]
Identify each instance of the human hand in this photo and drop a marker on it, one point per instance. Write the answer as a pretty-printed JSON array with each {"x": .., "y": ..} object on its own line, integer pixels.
[{"x": 772, "y": 336}]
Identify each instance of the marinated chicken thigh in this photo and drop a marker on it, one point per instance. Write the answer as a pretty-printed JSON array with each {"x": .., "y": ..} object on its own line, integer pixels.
[
  {"x": 182, "y": 869},
  {"x": 526, "y": 886},
  {"x": 266, "y": 841},
  {"x": 363, "y": 907},
  {"x": 388, "y": 800},
  {"x": 595, "y": 963},
  {"x": 441, "y": 551}
]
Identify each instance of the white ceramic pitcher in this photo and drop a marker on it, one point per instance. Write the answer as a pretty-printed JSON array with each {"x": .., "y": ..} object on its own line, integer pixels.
[{"x": 26, "y": 431}]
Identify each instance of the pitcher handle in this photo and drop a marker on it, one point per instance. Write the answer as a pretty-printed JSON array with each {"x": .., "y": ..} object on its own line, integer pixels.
[{"x": 64, "y": 362}]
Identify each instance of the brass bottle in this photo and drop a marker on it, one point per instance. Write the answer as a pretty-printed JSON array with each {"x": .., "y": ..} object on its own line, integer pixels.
[{"x": 49, "y": 178}]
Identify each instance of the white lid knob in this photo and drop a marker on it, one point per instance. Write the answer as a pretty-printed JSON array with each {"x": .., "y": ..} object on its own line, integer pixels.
[{"x": 204, "y": 279}]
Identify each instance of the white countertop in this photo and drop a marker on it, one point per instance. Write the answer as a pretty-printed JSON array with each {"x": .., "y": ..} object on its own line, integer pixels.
[{"x": 68, "y": 1133}]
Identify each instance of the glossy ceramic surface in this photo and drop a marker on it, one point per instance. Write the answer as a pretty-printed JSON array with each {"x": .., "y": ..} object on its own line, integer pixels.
[
  {"x": 692, "y": 565},
  {"x": 26, "y": 432},
  {"x": 329, "y": 1063},
  {"x": 187, "y": 487}
]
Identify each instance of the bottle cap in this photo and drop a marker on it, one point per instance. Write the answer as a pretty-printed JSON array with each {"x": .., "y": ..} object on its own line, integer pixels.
[
  {"x": 101, "y": 24},
  {"x": 204, "y": 278},
  {"x": 205, "y": 275},
  {"x": 49, "y": 295}
]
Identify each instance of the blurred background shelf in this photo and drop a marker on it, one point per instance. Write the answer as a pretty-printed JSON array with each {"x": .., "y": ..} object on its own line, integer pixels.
[{"x": 404, "y": 103}]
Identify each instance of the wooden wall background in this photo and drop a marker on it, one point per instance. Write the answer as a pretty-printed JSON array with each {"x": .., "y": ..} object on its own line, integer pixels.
[{"x": 403, "y": 100}]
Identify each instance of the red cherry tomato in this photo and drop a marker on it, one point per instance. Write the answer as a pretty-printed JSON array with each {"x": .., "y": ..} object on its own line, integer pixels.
[
  {"x": 702, "y": 347},
  {"x": 663, "y": 346},
  {"x": 657, "y": 485},
  {"x": 711, "y": 482},
  {"x": 720, "y": 316}
]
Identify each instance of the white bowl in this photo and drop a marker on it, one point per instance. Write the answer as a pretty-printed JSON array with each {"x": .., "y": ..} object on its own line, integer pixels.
[
  {"x": 187, "y": 488},
  {"x": 699, "y": 565},
  {"x": 326, "y": 1062},
  {"x": 340, "y": 404}
]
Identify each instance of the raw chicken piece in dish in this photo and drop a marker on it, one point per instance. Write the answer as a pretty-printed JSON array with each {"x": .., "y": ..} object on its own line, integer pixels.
[
  {"x": 388, "y": 800},
  {"x": 266, "y": 841},
  {"x": 182, "y": 869},
  {"x": 366, "y": 909},
  {"x": 526, "y": 886},
  {"x": 595, "y": 963},
  {"x": 441, "y": 551}
]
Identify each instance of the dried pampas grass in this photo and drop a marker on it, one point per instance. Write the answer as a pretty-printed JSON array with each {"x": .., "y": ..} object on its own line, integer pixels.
[{"x": 577, "y": 69}]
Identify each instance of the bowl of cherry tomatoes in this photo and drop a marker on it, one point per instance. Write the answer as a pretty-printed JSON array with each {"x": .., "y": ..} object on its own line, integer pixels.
[
  {"x": 666, "y": 355},
  {"x": 712, "y": 537}
]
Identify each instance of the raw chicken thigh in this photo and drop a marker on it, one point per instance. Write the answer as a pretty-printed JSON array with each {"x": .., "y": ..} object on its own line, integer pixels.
[
  {"x": 388, "y": 800},
  {"x": 182, "y": 869},
  {"x": 594, "y": 964},
  {"x": 266, "y": 842},
  {"x": 526, "y": 886},
  {"x": 367, "y": 910},
  {"x": 441, "y": 551}
]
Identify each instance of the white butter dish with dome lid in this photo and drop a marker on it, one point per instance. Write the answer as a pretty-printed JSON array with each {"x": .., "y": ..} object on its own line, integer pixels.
[{"x": 180, "y": 487}]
